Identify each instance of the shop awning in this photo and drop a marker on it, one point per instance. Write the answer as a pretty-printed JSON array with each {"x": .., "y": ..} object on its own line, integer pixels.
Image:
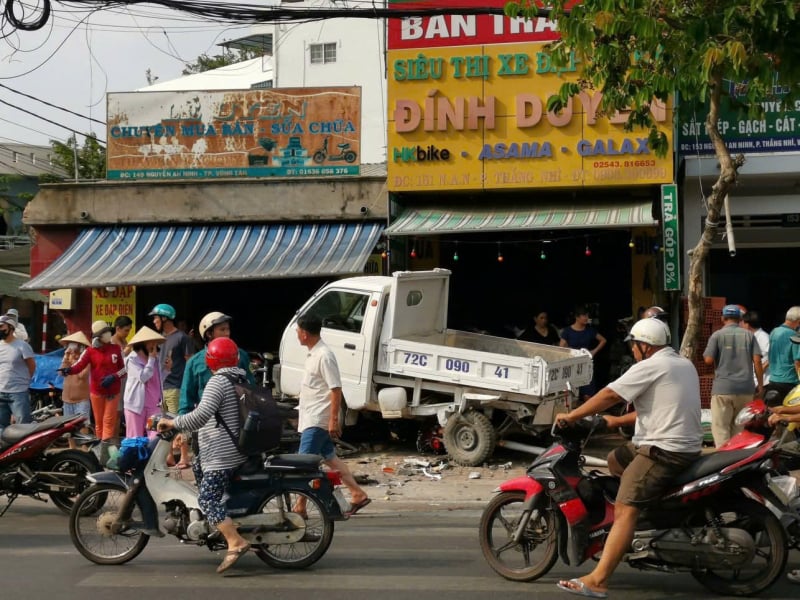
[
  {"x": 11, "y": 281},
  {"x": 442, "y": 220},
  {"x": 105, "y": 256}
]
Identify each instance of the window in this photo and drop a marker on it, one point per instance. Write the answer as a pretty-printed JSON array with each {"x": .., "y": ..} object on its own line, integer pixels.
[
  {"x": 341, "y": 310},
  {"x": 322, "y": 53},
  {"x": 262, "y": 85}
]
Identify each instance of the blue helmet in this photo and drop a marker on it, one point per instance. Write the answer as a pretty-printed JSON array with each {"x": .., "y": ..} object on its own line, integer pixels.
[{"x": 163, "y": 310}]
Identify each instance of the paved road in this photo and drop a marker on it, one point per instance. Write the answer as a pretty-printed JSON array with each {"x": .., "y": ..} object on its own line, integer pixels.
[{"x": 386, "y": 556}]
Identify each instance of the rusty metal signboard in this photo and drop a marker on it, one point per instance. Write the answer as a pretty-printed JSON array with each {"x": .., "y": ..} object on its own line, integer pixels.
[{"x": 294, "y": 132}]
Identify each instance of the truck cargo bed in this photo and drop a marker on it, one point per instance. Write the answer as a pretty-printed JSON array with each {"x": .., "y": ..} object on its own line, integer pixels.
[{"x": 487, "y": 362}]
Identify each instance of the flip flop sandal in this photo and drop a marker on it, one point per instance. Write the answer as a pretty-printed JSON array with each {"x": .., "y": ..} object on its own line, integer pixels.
[
  {"x": 579, "y": 588},
  {"x": 354, "y": 508},
  {"x": 793, "y": 576},
  {"x": 231, "y": 557}
]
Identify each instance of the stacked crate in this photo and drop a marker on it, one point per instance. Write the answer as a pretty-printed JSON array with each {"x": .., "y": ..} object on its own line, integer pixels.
[{"x": 711, "y": 320}]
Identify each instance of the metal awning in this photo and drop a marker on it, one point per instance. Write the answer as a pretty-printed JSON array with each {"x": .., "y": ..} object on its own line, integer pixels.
[
  {"x": 10, "y": 282},
  {"x": 152, "y": 255},
  {"x": 430, "y": 221}
]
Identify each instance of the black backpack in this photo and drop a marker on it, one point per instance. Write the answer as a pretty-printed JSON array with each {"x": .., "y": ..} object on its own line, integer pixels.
[{"x": 260, "y": 424}]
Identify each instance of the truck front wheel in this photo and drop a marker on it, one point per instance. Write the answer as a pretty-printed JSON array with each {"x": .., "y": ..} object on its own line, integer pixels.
[{"x": 469, "y": 438}]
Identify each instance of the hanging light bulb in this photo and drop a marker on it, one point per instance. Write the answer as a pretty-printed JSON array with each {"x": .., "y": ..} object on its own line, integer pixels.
[
  {"x": 455, "y": 253},
  {"x": 542, "y": 255},
  {"x": 587, "y": 251},
  {"x": 631, "y": 244},
  {"x": 413, "y": 253},
  {"x": 499, "y": 253},
  {"x": 384, "y": 254}
]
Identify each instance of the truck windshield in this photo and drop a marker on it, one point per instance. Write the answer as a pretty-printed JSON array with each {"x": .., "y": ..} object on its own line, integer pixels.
[{"x": 340, "y": 310}]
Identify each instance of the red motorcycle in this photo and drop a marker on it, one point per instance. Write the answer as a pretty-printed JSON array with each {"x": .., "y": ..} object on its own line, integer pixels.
[
  {"x": 713, "y": 523},
  {"x": 30, "y": 467},
  {"x": 757, "y": 431}
]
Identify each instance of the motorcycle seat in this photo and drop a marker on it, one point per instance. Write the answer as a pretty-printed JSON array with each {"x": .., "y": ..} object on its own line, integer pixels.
[
  {"x": 711, "y": 463},
  {"x": 344, "y": 146},
  {"x": 285, "y": 462},
  {"x": 15, "y": 433}
]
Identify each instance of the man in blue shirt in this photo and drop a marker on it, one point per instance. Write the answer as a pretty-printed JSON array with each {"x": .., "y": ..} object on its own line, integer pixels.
[{"x": 784, "y": 357}]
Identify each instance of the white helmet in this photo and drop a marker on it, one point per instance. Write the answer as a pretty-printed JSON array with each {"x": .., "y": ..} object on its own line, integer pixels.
[
  {"x": 210, "y": 320},
  {"x": 650, "y": 331}
]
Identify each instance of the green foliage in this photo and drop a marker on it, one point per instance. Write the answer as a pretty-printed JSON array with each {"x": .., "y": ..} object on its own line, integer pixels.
[
  {"x": 636, "y": 50},
  {"x": 205, "y": 62},
  {"x": 91, "y": 157}
]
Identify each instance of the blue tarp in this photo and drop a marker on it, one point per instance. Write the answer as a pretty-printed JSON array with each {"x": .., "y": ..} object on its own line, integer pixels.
[{"x": 47, "y": 371}]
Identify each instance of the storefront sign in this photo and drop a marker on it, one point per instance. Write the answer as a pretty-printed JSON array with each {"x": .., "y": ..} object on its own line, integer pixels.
[
  {"x": 237, "y": 133},
  {"x": 671, "y": 242},
  {"x": 776, "y": 130},
  {"x": 110, "y": 303},
  {"x": 475, "y": 117},
  {"x": 464, "y": 30}
]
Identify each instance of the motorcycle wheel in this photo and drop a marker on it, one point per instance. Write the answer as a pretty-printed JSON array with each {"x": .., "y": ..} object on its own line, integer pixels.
[
  {"x": 74, "y": 462},
  {"x": 313, "y": 545},
  {"x": 769, "y": 559},
  {"x": 91, "y": 527},
  {"x": 518, "y": 561}
]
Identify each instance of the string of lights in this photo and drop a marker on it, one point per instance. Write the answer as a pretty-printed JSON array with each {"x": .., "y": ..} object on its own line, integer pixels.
[{"x": 546, "y": 246}]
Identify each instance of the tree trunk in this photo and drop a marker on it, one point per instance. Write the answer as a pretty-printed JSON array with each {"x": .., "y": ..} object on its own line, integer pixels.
[{"x": 697, "y": 256}]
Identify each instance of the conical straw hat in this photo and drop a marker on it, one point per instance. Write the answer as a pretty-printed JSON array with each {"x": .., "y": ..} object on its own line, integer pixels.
[
  {"x": 78, "y": 337},
  {"x": 145, "y": 334}
]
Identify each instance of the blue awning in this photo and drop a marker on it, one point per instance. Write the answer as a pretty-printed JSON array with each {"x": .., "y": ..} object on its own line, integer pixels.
[{"x": 157, "y": 255}]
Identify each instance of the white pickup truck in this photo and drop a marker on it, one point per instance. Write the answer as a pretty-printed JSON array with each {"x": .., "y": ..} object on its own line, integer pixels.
[{"x": 397, "y": 356}]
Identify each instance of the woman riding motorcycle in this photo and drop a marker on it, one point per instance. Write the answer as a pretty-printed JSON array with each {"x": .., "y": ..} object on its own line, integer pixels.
[{"x": 219, "y": 456}]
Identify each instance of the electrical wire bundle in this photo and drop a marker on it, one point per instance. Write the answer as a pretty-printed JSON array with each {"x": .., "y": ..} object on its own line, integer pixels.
[{"x": 21, "y": 15}]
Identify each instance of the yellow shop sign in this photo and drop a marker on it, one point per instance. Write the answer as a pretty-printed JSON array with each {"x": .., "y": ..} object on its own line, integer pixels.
[{"x": 476, "y": 118}]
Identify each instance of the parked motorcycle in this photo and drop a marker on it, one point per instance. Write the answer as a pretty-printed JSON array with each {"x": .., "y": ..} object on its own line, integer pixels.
[
  {"x": 757, "y": 431},
  {"x": 712, "y": 524},
  {"x": 112, "y": 521},
  {"x": 29, "y": 467}
]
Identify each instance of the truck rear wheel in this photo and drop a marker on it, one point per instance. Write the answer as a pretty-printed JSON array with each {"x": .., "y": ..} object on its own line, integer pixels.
[{"x": 469, "y": 438}]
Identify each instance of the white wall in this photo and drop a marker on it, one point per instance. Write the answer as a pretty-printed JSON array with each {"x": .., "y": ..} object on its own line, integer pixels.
[
  {"x": 768, "y": 184},
  {"x": 360, "y": 45}
]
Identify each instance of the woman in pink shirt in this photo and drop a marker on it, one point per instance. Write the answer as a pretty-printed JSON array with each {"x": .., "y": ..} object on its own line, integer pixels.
[{"x": 143, "y": 386}]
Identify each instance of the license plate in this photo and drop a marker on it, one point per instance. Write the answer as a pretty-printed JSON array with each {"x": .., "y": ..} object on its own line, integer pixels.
[{"x": 344, "y": 505}]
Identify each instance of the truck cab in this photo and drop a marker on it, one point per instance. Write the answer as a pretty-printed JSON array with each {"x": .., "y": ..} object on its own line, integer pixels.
[{"x": 351, "y": 311}]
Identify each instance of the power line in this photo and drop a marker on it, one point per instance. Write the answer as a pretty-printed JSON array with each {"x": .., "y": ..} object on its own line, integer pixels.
[
  {"x": 33, "y": 114},
  {"x": 72, "y": 112},
  {"x": 44, "y": 133}
]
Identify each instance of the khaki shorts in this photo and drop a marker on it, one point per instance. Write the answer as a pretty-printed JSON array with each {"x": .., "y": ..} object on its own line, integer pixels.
[
  {"x": 172, "y": 400},
  {"x": 649, "y": 471}
]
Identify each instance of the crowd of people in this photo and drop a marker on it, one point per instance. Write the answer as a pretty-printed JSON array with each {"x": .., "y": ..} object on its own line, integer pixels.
[
  {"x": 111, "y": 378},
  {"x": 159, "y": 369}
]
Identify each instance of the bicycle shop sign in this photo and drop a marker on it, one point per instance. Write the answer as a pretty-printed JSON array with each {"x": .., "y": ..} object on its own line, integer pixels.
[{"x": 293, "y": 132}]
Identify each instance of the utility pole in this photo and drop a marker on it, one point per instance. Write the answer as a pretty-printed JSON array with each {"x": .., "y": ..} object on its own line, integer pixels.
[{"x": 75, "y": 155}]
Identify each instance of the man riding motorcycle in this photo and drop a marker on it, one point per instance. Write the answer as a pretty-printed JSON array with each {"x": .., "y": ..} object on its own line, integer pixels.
[{"x": 665, "y": 390}]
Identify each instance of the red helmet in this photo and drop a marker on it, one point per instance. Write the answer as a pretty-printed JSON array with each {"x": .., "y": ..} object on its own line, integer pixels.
[{"x": 221, "y": 353}]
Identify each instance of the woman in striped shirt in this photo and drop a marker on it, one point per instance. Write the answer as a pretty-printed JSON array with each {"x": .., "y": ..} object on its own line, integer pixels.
[{"x": 219, "y": 455}]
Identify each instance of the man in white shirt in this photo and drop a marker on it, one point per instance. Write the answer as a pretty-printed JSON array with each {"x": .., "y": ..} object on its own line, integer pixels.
[
  {"x": 319, "y": 407},
  {"x": 19, "y": 331},
  {"x": 752, "y": 322},
  {"x": 665, "y": 390}
]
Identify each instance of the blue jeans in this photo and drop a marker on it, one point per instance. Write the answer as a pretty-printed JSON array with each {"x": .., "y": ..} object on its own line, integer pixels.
[{"x": 16, "y": 403}]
